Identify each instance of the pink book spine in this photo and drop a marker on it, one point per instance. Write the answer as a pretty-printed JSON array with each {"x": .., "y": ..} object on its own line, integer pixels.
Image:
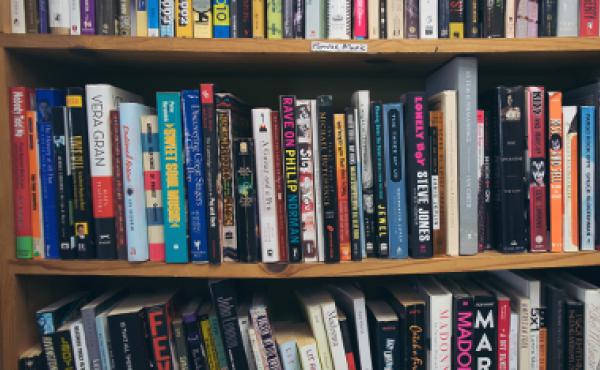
[{"x": 360, "y": 19}]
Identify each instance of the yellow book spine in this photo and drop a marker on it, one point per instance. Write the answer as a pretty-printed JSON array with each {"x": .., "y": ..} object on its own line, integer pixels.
[
  {"x": 258, "y": 19},
  {"x": 274, "y": 19},
  {"x": 183, "y": 19},
  {"x": 141, "y": 18},
  {"x": 457, "y": 30},
  {"x": 211, "y": 351}
]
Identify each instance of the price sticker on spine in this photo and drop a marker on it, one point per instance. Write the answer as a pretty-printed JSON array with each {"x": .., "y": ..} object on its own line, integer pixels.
[{"x": 338, "y": 47}]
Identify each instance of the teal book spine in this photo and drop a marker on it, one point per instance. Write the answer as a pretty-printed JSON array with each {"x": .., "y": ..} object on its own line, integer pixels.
[{"x": 168, "y": 106}]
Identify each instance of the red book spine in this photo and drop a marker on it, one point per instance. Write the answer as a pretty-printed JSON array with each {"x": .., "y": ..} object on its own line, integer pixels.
[
  {"x": 503, "y": 333},
  {"x": 536, "y": 144},
  {"x": 161, "y": 336},
  {"x": 588, "y": 18},
  {"x": 350, "y": 361},
  {"x": 20, "y": 103},
  {"x": 118, "y": 198},
  {"x": 360, "y": 19},
  {"x": 278, "y": 168}
]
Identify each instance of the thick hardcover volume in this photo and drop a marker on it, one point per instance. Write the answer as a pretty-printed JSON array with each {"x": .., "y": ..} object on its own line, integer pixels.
[
  {"x": 536, "y": 153},
  {"x": 588, "y": 18},
  {"x": 304, "y": 132},
  {"x": 395, "y": 19},
  {"x": 64, "y": 184},
  {"x": 267, "y": 203},
  {"x": 443, "y": 19},
  {"x": 508, "y": 169},
  {"x": 100, "y": 100},
  {"x": 37, "y": 227},
  {"x": 342, "y": 186},
  {"x": 119, "y": 196},
  {"x": 393, "y": 143},
  {"x": 493, "y": 18},
  {"x": 225, "y": 302},
  {"x": 574, "y": 333},
  {"x": 587, "y": 139},
  {"x": 472, "y": 19},
  {"x": 194, "y": 175},
  {"x": 290, "y": 168},
  {"x": 130, "y": 115},
  {"x": 184, "y": 26},
  {"x": 202, "y": 19},
  {"x": 174, "y": 212},
  {"x": 80, "y": 173},
  {"x": 379, "y": 174},
  {"x": 152, "y": 187},
  {"x": 58, "y": 17},
  {"x": 411, "y": 19},
  {"x": 567, "y": 18},
  {"x": 328, "y": 178},
  {"x": 45, "y": 100},
  {"x": 275, "y": 19},
  {"x": 107, "y": 17},
  {"x": 436, "y": 133},
  {"x": 411, "y": 315},
  {"x": 43, "y": 16},
  {"x": 428, "y": 19},
  {"x": 279, "y": 186},
  {"x": 418, "y": 175},
  {"x": 571, "y": 179},
  {"x": 485, "y": 328},
  {"x": 359, "y": 18},
  {"x": 555, "y": 161},
  {"x": 548, "y": 17},
  {"x": 21, "y": 100},
  {"x": 387, "y": 347},
  {"x": 211, "y": 150},
  {"x": 457, "y": 19},
  {"x": 245, "y": 200},
  {"x": 221, "y": 22},
  {"x": 339, "y": 19},
  {"x": 354, "y": 189}
]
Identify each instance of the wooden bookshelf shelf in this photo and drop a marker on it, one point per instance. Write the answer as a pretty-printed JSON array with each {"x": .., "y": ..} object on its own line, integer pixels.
[{"x": 483, "y": 262}]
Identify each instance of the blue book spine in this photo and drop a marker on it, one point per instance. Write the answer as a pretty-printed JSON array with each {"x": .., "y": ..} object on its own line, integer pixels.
[
  {"x": 194, "y": 173},
  {"x": 43, "y": 16},
  {"x": 221, "y": 19},
  {"x": 45, "y": 323},
  {"x": 587, "y": 153},
  {"x": 101, "y": 330},
  {"x": 393, "y": 127},
  {"x": 153, "y": 28},
  {"x": 167, "y": 18},
  {"x": 289, "y": 355},
  {"x": 46, "y": 99},
  {"x": 443, "y": 19},
  {"x": 171, "y": 152}
]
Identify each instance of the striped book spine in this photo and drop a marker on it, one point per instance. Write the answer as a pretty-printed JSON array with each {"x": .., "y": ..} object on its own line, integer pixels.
[
  {"x": 152, "y": 187},
  {"x": 221, "y": 20},
  {"x": 587, "y": 139},
  {"x": 555, "y": 158},
  {"x": 170, "y": 138},
  {"x": 37, "y": 226},
  {"x": 166, "y": 18}
]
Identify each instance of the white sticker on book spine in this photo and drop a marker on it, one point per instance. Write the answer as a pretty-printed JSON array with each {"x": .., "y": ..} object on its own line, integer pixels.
[{"x": 338, "y": 47}]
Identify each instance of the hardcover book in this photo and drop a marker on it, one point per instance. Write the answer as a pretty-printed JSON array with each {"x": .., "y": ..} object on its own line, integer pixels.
[
  {"x": 359, "y": 18},
  {"x": 395, "y": 19},
  {"x": 588, "y": 18},
  {"x": 456, "y": 19},
  {"x": 339, "y": 19},
  {"x": 316, "y": 149},
  {"x": 202, "y": 18},
  {"x": 221, "y": 19},
  {"x": 548, "y": 17},
  {"x": 184, "y": 27},
  {"x": 37, "y": 223},
  {"x": 472, "y": 19},
  {"x": 411, "y": 19},
  {"x": 567, "y": 18},
  {"x": 493, "y": 19},
  {"x": 275, "y": 19}
]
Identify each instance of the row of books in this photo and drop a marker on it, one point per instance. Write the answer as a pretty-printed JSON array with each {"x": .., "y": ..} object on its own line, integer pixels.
[
  {"x": 313, "y": 19},
  {"x": 502, "y": 320},
  {"x": 208, "y": 179}
]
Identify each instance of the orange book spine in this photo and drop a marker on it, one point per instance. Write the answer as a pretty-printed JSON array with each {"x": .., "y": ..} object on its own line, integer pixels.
[
  {"x": 555, "y": 155},
  {"x": 36, "y": 220},
  {"x": 342, "y": 186}
]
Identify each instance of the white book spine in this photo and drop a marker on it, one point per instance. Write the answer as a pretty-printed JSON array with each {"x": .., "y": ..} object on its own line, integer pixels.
[
  {"x": 440, "y": 312},
  {"x": 567, "y": 18},
  {"x": 80, "y": 352},
  {"x": 17, "y": 14},
  {"x": 75, "y": 17},
  {"x": 451, "y": 147},
  {"x": 362, "y": 333},
  {"x": 373, "y": 19},
  {"x": 244, "y": 326},
  {"x": 339, "y": 20},
  {"x": 395, "y": 19},
  {"x": 569, "y": 191},
  {"x": 524, "y": 335},
  {"x": 428, "y": 19},
  {"x": 334, "y": 336},
  {"x": 513, "y": 342},
  {"x": 509, "y": 19},
  {"x": 263, "y": 144},
  {"x": 534, "y": 346},
  {"x": 257, "y": 355},
  {"x": 521, "y": 19},
  {"x": 315, "y": 319},
  {"x": 309, "y": 357},
  {"x": 317, "y": 183},
  {"x": 58, "y": 16},
  {"x": 315, "y": 20},
  {"x": 591, "y": 329}
]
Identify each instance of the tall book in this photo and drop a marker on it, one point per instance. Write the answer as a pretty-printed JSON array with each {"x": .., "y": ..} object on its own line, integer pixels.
[
  {"x": 258, "y": 19},
  {"x": 202, "y": 18},
  {"x": 141, "y": 18},
  {"x": 548, "y": 17},
  {"x": 588, "y": 18},
  {"x": 314, "y": 317},
  {"x": 587, "y": 142},
  {"x": 343, "y": 210},
  {"x": 493, "y": 19},
  {"x": 275, "y": 19},
  {"x": 411, "y": 19},
  {"x": 472, "y": 19},
  {"x": 21, "y": 100},
  {"x": 58, "y": 17},
  {"x": 380, "y": 179},
  {"x": 354, "y": 186},
  {"x": 153, "y": 17},
  {"x": 119, "y": 196},
  {"x": 394, "y": 19},
  {"x": 481, "y": 212},
  {"x": 460, "y": 74},
  {"x": 373, "y": 21},
  {"x": 166, "y": 18},
  {"x": 571, "y": 182},
  {"x": 567, "y": 18},
  {"x": 554, "y": 299},
  {"x": 339, "y": 19},
  {"x": 395, "y": 168},
  {"x": 386, "y": 341},
  {"x": 279, "y": 185},
  {"x": 428, "y": 19},
  {"x": 503, "y": 325},
  {"x": 328, "y": 178},
  {"x": 158, "y": 314},
  {"x": 259, "y": 321},
  {"x": 37, "y": 223},
  {"x": 184, "y": 26},
  {"x": 100, "y": 100},
  {"x": 509, "y": 19},
  {"x": 556, "y": 177},
  {"x": 221, "y": 19},
  {"x": 171, "y": 151},
  {"x": 575, "y": 334},
  {"x": 285, "y": 337},
  {"x": 194, "y": 175},
  {"x": 320, "y": 239},
  {"x": 485, "y": 326},
  {"x": 359, "y": 17},
  {"x": 456, "y": 19},
  {"x": 191, "y": 325},
  {"x": 418, "y": 175}
]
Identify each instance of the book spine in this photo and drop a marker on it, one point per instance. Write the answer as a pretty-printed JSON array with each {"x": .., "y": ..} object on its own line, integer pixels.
[
  {"x": 485, "y": 332},
  {"x": 342, "y": 186},
  {"x": 218, "y": 342},
  {"x": 415, "y": 324},
  {"x": 18, "y": 16},
  {"x": 194, "y": 173},
  {"x": 212, "y": 361},
  {"x": 443, "y": 19},
  {"x": 20, "y": 102},
  {"x": 264, "y": 335},
  {"x": 382, "y": 19},
  {"x": 169, "y": 130},
  {"x": 152, "y": 187},
  {"x": 43, "y": 16},
  {"x": 195, "y": 346},
  {"x": 309, "y": 357},
  {"x": 58, "y": 15},
  {"x": 202, "y": 19},
  {"x": 80, "y": 174},
  {"x": 159, "y": 332},
  {"x": 288, "y": 8},
  {"x": 320, "y": 240},
  {"x": 304, "y": 132},
  {"x": 555, "y": 159},
  {"x": 347, "y": 344},
  {"x": 184, "y": 26},
  {"x": 141, "y": 18},
  {"x": 334, "y": 335},
  {"x": 428, "y": 19},
  {"x": 548, "y": 17},
  {"x": 289, "y": 355},
  {"x": 380, "y": 175},
  {"x": 31, "y": 16},
  {"x": 279, "y": 186},
  {"x": 571, "y": 182},
  {"x": 275, "y": 19},
  {"x": 411, "y": 19},
  {"x": 362, "y": 104},
  {"x": 462, "y": 344},
  {"x": 481, "y": 214},
  {"x": 328, "y": 178},
  {"x": 393, "y": 130},
  {"x": 124, "y": 17},
  {"x": 503, "y": 337},
  {"x": 532, "y": 18},
  {"x": 456, "y": 19},
  {"x": 472, "y": 21},
  {"x": 339, "y": 19},
  {"x": 37, "y": 226},
  {"x": 359, "y": 19},
  {"x": 107, "y": 17},
  {"x": 74, "y": 17},
  {"x": 103, "y": 338},
  {"x": 180, "y": 347},
  {"x": 314, "y": 25},
  {"x": 246, "y": 208},
  {"x": 153, "y": 18},
  {"x": 234, "y": 19},
  {"x": 166, "y": 18},
  {"x": 588, "y": 18},
  {"x": 575, "y": 335},
  {"x": 63, "y": 346},
  {"x": 487, "y": 179},
  {"x": 353, "y": 186},
  {"x": 438, "y": 182},
  {"x": 395, "y": 19},
  {"x": 373, "y": 19},
  {"x": 440, "y": 323},
  {"x": 49, "y": 354},
  {"x": 80, "y": 353},
  {"x": 586, "y": 162},
  {"x": 221, "y": 20},
  {"x": 246, "y": 17},
  {"x": 567, "y": 18},
  {"x": 258, "y": 19},
  {"x": 290, "y": 158},
  {"x": 118, "y": 198}
]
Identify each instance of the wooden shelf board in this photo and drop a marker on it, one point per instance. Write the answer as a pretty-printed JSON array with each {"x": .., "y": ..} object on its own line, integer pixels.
[{"x": 482, "y": 262}]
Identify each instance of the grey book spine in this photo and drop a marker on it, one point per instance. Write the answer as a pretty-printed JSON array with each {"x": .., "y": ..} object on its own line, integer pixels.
[
  {"x": 289, "y": 9},
  {"x": 88, "y": 317},
  {"x": 460, "y": 74},
  {"x": 567, "y": 15}
]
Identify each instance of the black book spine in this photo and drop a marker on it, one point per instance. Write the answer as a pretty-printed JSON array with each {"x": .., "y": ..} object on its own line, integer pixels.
[
  {"x": 379, "y": 175},
  {"x": 49, "y": 351},
  {"x": 128, "y": 341},
  {"x": 382, "y": 19},
  {"x": 548, "y": 17},
  {"x": 225, "y": 302},
  {"x": 555, "y": 301},
  {"x": 290, "y": 171},
  {"x": 245, "y": 18},
  {"x": 493, "y": 19},
  {"x": 106, "y": 17},
  {"x": 195, "y": 346},
  {"x": 487, "y": 183},
  {"x": 64, "y": 183},
  {"x": 415, "y": 331},
  {"x": 574, "y": 333},
  {"x": 347, "y": 342},
  {"x": 386, "y": 343},
  {"x": 63, "y": 348},
  {"x": 472, "y": 19},
  {"x": 80, "y": 174},
  {"x": 245, "y": 200},
  {"x": 485, "y": 312},
  {"x": 456, "y": 18},
  {"x": 34, "y": 362},
  {"x": 356, "y": 253},
  {"x": 328, "y": 178},
  {"x": 157, "y": 320},
  {"x": 299, "y": 19},
  {"x": 508, "y": 169},
  {"x": 289, "y": 9},
  {"x": 418, "y": 175},
  {"x": 211, "y": 151},
  {"x": 462, "y": 328},
  {"x": 444, "y": 19},
  {"x": 411, "y": 19}
]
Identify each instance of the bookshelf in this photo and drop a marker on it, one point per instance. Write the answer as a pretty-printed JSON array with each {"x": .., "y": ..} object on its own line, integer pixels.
[{"x": 145, "y": 65}]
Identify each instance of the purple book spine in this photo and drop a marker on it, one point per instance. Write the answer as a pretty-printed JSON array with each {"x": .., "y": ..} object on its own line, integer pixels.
[
  {"x": 88, "y": 17},
  {"x": 43, "y": 15}
]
